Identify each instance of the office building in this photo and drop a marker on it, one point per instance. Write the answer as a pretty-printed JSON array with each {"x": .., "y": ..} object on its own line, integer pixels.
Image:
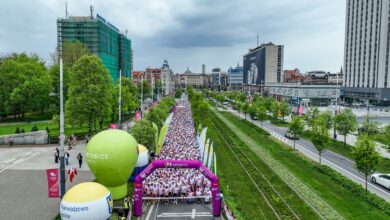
[
  {"x": 101, "y": 38},
  {"x": 367, "y": 54},
  {"x": 236, "y": 75},
  {"x": 263, "y": 64}
]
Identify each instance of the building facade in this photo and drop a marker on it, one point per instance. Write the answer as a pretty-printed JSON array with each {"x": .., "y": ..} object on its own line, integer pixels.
[
  {"x": 236, "y": 75},
  {"x": 101, "y": 38},
  {"x": 263, "y": 64},
  {"x": 167, "y": 82},
  {"x": 308, "y": 95},
  {"x": 195, "y": 80},
  {"x": 367, "y": 50}
]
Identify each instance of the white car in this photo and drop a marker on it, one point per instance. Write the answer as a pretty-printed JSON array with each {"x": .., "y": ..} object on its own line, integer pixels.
[{"x": 381, "y": 179}]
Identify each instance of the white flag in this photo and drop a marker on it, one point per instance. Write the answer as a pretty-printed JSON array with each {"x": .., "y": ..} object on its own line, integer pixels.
[{"x": 211, "y": 154}]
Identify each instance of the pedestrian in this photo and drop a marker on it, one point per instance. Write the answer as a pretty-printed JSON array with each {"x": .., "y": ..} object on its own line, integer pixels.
[
  {"x": 80, "y": 159},
  {"x": 126, "y": 205},
  {"x": 11, "y": 141},
  {"x": 56, "y": 156},
  {"x": 86, "y": 139},
  {"x": 69, "y": 144},
  {"x": 66, "y": 156}
]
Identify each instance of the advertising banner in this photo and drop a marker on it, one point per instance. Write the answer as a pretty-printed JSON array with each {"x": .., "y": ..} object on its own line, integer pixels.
[
  {"x": 53, "y": 180},
  {"x": 138, "y": 116},
  {"x": 254, "y": 67}
]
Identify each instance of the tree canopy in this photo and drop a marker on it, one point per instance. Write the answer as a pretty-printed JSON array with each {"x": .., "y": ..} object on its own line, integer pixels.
[
  {"x": 90, "y": 93},
  {"x": 24, "y": 85}
]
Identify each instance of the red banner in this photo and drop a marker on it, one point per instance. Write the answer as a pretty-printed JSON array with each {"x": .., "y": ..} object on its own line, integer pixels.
[{"x": 53, "y": 180}]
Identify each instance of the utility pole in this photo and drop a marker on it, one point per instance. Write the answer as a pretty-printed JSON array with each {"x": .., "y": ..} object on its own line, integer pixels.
[
  {"x": 62, "y": 136},
  {"x": 152, "y": 87},
  {"x": 120, "y": 101},
  {"x": 335, "y": 109}
]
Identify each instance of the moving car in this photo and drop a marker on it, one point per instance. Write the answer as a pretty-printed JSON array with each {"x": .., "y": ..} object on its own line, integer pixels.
[
  {"x": 290, "y": 135},
  {"x": 381, "y": 179}
]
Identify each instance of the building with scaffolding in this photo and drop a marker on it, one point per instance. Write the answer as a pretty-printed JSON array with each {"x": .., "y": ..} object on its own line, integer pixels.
[{"x": 101, "y": 38}]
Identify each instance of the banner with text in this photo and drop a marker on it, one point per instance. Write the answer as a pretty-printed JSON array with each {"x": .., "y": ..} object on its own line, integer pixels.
[{"x": 53, "y": 181}]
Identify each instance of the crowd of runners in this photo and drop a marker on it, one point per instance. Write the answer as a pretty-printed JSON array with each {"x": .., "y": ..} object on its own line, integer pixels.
[{"x": 180, "y": 144}]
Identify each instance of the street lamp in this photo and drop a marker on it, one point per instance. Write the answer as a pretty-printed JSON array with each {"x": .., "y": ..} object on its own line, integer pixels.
[
  {"x": 62, "y": 136},
  {"x": 120, "y": 100}
]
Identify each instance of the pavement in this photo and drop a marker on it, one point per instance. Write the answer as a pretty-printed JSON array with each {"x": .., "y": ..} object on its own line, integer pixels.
[
  {"x": 339, "y": 163},
  {"x": 177, "y": 211},
  {"x": 23, "y": 183}
]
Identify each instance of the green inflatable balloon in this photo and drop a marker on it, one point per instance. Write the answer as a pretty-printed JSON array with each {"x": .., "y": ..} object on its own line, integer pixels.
[{"x": 111, "y": 156}]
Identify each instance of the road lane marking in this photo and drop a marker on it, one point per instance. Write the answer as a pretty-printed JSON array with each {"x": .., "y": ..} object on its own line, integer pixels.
[
  {"x": 19, "y": 161},
  {"x": 150, "y": 212},
  {"x": 193, "y": 213}
]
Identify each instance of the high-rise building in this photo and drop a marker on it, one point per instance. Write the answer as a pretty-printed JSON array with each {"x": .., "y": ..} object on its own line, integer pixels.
[
  {"x": 263, "y": 64},
  {"x": 367, "y": 50},
  {"x": 203, "y": 69},
  {"x": 101, "y": 38}
]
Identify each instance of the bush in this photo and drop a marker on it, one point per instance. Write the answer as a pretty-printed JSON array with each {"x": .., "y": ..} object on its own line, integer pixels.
[
  {"x": 22, "y": 131},
  {"x": 17, "y": 131},
  {"x": 34, "y": 128},
  {"x": 355, "y": 188}
]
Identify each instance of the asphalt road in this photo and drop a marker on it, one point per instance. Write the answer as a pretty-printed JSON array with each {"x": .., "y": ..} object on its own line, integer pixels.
[
  {"x": 341, "y": 164},
  {"x": 177, "y": 211}
]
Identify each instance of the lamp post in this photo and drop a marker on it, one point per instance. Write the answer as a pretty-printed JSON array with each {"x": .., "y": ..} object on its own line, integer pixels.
[
  {"x": 62, "y": 136},
  {"x": 120, "y": 101}
]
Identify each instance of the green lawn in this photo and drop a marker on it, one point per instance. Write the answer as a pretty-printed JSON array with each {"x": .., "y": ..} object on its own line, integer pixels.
[{"x": 340, "y": 198}]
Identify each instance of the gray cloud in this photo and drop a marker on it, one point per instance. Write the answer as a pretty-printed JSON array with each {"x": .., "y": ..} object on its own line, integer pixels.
[{"x": 192, "y": 32}]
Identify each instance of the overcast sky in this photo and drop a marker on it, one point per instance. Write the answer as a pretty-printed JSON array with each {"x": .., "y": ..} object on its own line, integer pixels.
[{"x": 189, "y": 33}]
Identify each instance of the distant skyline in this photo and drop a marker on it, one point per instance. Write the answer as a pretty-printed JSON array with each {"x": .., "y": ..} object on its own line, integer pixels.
[{"x": 189, "y": 33}]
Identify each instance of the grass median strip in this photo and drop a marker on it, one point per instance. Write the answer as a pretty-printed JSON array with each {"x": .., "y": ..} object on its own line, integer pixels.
[{"x": 326, "y": 193}]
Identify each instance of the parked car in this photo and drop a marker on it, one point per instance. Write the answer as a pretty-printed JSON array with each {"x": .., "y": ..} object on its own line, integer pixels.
[
  {"x": 381, "y": 179},
  {"x": 290, "y": 135}
]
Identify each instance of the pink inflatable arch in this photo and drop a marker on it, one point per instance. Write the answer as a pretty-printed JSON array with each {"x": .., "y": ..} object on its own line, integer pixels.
[{"x": 183, "y": 164}]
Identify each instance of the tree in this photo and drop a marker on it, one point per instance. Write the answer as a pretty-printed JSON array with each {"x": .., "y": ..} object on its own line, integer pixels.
[
  {"x": 130, "y": 100},
  {"x": 320, "y": 136},
  {"x": 328, "y": 118},
  {"x": 24, "y": 85},
  {"x": 369, "y": 126},
  {"x": 296, "y": 127},
  {"x": 72, "y": 52},
  {"x": 261, "y": 113},
  {"x": 252, "y": 111},
  {"x": 145, "y": 88},
  {"x": 145, "y": 134},
  {"x": 284, "y": 109},
  {"x": 54, "y": 73},
  {"x": 274, "y": 109},
  {"x": 345, "y": 123},
  {"x": 366, "y": 157},
  {"x": 90, "y": 93},
  {"x": 311, "y": 115},
  {"x": 245, "y": 108},
  {"x": 179, "y": 92}
]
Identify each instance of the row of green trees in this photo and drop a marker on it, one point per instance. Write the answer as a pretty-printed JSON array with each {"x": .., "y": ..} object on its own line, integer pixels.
[
  {"x": 317, "y": 123},
  {"x": 90, "y": 97}
]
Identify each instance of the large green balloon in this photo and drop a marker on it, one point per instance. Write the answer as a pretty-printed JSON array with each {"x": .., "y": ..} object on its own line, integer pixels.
[{"x": 111, "y": 156}]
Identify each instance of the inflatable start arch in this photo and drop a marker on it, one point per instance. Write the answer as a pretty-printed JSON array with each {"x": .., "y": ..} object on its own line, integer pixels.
[{"x": 182, "y": 164}]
